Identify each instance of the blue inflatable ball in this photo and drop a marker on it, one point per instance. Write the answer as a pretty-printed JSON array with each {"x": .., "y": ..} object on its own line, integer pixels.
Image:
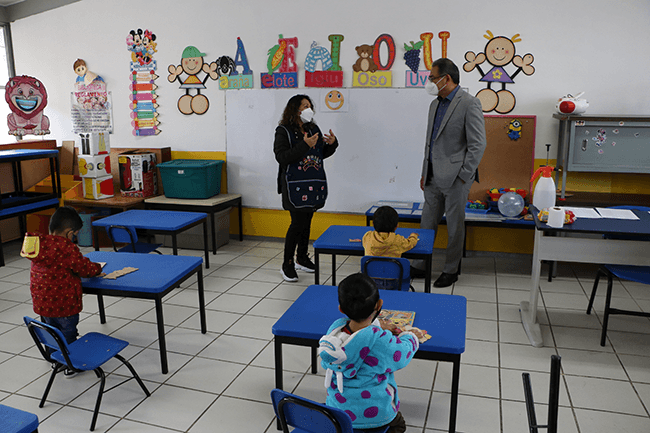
[{"x": 511, "y": 204}]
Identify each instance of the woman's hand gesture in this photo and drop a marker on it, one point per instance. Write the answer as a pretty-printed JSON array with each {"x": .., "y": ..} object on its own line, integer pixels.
[
  {"x": 329, "y": 138},
  {"x": 311, "y": 141}
]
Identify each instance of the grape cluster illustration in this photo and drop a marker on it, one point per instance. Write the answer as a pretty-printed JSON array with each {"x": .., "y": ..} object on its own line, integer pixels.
[{"x": 412, "y": 55}]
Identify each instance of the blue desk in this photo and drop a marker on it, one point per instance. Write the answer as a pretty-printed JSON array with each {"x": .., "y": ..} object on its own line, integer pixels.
[
  {"x": 19, "y": 203},
  {"x": 563, "y": 247},
  {"x": 336, "y": 240},
  {"x": 443, "y": 316},
  {"x": 157, "y": 275},
  {"x": 157, "y": 221}
]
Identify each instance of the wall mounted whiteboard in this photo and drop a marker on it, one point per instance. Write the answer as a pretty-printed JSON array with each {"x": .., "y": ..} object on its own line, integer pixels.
[
  {"x": 380, "y": 153},
  {"x": 379, "y": 157}
]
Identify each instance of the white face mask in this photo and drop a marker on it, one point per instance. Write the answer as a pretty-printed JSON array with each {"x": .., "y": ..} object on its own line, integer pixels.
[
  {"x": 432, "y": 88},
  {"x": 307, "y": 114}
]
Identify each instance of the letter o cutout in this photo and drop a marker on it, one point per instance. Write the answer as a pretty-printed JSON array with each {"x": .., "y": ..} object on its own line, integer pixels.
[{"x": 390, "y": 43}]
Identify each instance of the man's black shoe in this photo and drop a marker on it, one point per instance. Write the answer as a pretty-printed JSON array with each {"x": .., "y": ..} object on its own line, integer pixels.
[
  {"x": 446, "y": 280},
  {"x": 417, "y": 273}
]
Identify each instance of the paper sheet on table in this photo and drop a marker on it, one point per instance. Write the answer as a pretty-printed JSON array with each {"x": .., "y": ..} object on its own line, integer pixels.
[
  {"x": 583, "y": 212},
  {"x": 621, "y": 214}
]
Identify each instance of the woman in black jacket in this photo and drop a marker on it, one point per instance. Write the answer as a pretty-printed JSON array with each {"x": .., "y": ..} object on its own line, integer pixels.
[{"x": 300, "y": 149}]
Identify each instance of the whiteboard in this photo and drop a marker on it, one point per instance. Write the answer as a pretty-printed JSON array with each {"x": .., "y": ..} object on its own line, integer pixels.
[{"x": 380, "y": 153}]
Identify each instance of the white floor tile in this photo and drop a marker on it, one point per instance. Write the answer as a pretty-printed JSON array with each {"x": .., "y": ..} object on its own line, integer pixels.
[
  {"x": 602, "y": 394},
  {"x": 235, "y": 415},
  {"x": 594, "y": 421},
  {"x": 173, "y": 407},
  {"x": 232, "y": 348},
  {"x": 216, "y": 377}
]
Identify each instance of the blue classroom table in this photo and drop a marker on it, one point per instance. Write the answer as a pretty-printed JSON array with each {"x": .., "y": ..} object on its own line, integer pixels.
[
  {"x": 157, "y": 275},
  {"x": 157, "y": 221},
  {"x": 19, "y": 203},
  {"x": 347, "y": 240},
  {"x": 444, "y": 317}
]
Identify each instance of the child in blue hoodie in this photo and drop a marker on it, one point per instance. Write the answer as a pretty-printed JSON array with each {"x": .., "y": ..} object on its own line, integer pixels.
[{"x": 361, "y": 358}]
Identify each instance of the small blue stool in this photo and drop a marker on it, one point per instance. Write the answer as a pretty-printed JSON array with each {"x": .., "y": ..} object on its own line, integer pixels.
[{"x": 17, "y": 421}]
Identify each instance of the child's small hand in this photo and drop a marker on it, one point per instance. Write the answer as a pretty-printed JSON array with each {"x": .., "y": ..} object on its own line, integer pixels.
[
  {"x": 102, "y": 274},
  {"x": 414, "y": 235},
  {"x": 388, "y": 325},
  {"x": 418, "y": 333}
]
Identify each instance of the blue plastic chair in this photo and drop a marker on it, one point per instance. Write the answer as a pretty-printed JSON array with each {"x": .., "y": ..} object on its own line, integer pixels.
[
  {"x": 128, "y": 235},
  {"x": 553, "y": 398},
  {"x": 310, "y": 417},
  {"x": 89, "y": 352},
  {"x": 390, "y": 273},
  {"x": 639, "y": 274},
  {"x": 17, "y": 421}
]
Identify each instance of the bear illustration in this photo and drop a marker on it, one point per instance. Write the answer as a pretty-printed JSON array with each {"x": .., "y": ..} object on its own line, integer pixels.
[{"x": 365, "y": 63}]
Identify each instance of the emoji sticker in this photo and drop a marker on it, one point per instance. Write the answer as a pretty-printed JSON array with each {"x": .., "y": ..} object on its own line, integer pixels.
[{"x": 334, "y": 100}]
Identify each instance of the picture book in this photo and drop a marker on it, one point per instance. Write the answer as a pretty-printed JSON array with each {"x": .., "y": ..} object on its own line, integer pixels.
[
  {"x": 399, "y": 318},
  {"x": 403, "y": 321}
]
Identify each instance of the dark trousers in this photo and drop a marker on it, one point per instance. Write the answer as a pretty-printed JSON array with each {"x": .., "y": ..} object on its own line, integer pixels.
[{"x": 297, "y": 235}]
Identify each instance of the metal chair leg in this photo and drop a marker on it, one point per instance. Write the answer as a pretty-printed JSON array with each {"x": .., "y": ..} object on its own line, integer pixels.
[
  {"x": 55, "y": 370},
  {"x": 135, "y": 375},
  {"x": 100, "y": 375}
]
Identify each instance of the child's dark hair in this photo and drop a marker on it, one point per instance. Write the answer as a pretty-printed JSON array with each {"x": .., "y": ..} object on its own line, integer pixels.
[
  {"x": 385, "y": 219},
  {"x": 65, "y": 217},
  {"x": 358, "y": 296}
]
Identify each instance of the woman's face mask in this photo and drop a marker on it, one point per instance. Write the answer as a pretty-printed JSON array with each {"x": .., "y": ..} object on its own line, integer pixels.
[{"x": 307, "y": 115}]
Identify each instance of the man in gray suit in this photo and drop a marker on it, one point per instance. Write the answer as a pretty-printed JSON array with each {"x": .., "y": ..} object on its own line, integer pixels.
[{"x": 454, "y": 146}]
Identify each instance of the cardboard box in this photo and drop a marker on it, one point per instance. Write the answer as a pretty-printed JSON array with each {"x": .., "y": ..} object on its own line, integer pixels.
[
  {"x": 98, "y": 188},
  {"x": 138, "y": 174},
  {"x": 96, "y": 143},
  {"x": 94, "y": 165}
]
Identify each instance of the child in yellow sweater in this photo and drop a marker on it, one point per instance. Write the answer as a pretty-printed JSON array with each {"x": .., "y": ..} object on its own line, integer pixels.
[{"x": 383, "y": 241}]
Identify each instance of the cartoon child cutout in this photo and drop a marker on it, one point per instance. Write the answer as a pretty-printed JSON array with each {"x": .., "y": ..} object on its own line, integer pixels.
[
  {"x": 499, "y": 52},
  {"x": 84, "y": 75},
  {"x": 192, "y": 64}
]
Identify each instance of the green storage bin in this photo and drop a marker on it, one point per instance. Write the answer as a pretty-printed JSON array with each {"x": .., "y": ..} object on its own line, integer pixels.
[{"x": 191, "y": 178}]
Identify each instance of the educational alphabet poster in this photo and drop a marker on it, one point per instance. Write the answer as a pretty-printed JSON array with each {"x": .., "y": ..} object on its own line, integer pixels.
[
  {"x": 144, "y": 101},
  {"x": 330, "y": 74},
  {"x": 281, "y": 58},
  {"x": 369, "y": 71},
  {"x": 229, "y": 77},
  {"x": 416, "y": 77}
]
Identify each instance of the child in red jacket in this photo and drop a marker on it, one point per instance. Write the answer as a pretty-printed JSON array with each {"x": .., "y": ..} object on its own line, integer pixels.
[{"x": 57, "y": 269}]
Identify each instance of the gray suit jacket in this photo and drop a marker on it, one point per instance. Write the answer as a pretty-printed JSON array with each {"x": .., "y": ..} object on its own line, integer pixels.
[{"x": 460, "y": 143}]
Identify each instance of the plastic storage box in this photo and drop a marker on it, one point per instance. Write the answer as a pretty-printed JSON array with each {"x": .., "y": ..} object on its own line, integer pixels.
[{"x": 191, "y": 178}]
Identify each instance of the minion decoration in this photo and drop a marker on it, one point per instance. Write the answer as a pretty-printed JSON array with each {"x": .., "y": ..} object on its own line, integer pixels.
[{"x": 514, "y": 129}]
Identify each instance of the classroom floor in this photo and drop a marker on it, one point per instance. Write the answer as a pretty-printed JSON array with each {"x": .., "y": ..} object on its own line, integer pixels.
[{"x": 220, "y": 381}]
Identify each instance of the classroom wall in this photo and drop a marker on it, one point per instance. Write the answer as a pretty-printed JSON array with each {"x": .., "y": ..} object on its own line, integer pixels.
[{"x": 578, "y": 45}]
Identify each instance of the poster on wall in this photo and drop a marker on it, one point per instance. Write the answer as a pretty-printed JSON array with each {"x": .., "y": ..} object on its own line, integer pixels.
[
  {"x": 330, "y": 74},
  {"x": 499, "y": 52},
  {"x": 144, "y": 101},
  {"x": 416, "y": 77},
  {"x": 90, "y": 101},
  {"x": 229, "y": 77},
  {"x": 369, "y": 71},
  {"x": 26, "y": 115},
  {"x": 281, "y": 65},
  {"x": 192, "y": 67}
]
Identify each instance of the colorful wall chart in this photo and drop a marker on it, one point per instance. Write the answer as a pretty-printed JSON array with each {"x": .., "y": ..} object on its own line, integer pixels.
[
  {"x": 281, "y": 58},
  {"x": 144, "y": 104}
]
